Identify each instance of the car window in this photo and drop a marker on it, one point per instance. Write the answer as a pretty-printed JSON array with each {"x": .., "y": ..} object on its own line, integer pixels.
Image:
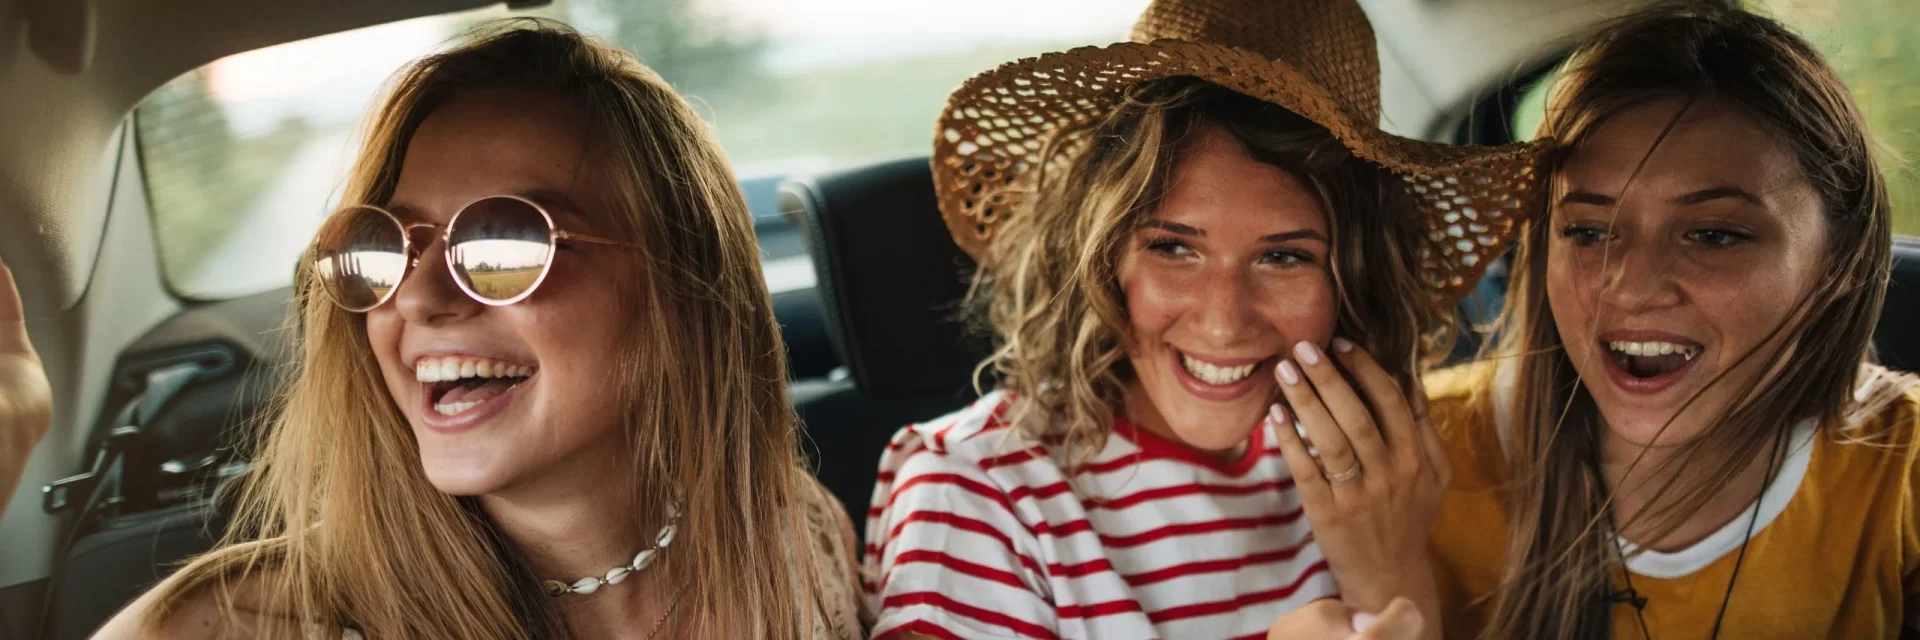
[
  {"x": 1876, "y": 51},
  {"x": 245, "y": 156}
]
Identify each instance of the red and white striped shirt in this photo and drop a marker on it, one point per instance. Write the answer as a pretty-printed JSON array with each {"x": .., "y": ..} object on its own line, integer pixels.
[{"x": 976, "y": 532}]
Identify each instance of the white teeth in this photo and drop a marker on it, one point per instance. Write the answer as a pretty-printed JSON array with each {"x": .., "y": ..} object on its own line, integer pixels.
[
  {"x": 1211, "y": 374},
  {"x": 454, "y": 409},
  {"x": 1654, "y": 348},
  {"x": 445, "y": 369}
]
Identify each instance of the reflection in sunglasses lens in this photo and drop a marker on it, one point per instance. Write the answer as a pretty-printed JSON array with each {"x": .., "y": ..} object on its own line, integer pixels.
[
  {"x": 500, "y": 247},
  {"x": 360, "y": 258}
]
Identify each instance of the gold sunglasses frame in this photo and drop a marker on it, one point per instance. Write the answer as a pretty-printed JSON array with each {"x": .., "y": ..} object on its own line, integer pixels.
[{"x": 555, "y": 236}]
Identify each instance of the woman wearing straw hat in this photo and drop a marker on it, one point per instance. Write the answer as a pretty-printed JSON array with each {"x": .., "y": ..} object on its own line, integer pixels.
[{"x": 1159, "y": 224}]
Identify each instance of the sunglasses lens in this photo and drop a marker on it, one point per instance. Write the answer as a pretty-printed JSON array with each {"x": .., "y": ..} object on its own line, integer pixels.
[
  {"x": 500, "y": 248},
  {"x": 360, "y": 255}
]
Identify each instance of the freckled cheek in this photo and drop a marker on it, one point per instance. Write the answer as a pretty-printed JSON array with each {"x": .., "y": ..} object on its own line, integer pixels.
[
  {"x": 1572, "y": 289},
  {"x": 1299, "y": 308},
  {"x": 1740, "y": 319},
  {"x": 1154, "y": 301}
]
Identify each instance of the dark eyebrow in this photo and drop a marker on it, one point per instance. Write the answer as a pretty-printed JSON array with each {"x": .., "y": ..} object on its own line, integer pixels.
[
  {"x": 1173, "y": 227},
  {"x": 1297, "y": 234},
  {"x": 1697, "y": 197},
  {"x": 1586, "y": 197},
  {"x": 1716, "y": 193},
  {"x": 1181, "y": 229}
]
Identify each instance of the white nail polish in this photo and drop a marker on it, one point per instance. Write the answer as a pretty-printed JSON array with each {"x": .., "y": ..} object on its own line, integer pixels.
[{"x": 1309, "y": 355}]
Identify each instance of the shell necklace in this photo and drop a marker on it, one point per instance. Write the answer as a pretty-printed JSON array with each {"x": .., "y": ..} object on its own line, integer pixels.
[{"x": 619, "y": 574}]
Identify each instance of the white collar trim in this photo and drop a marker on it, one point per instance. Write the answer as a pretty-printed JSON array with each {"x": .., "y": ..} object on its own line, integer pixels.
[
  {"x": 1773, "y": 501},
  {"x": 1674, "y": 564}
]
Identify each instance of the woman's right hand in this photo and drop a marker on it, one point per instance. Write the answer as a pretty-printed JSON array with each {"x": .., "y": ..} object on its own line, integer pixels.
[
  {"x": 1373, "y": 480},
  {"x": 1331, "y": 619},
  {"x": 26, "y": 400}
]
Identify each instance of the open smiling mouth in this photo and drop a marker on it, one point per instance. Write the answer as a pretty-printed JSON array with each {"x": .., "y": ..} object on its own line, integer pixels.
[
  {"x": 1218, "y": 380},
  {"x": 1652, "y": 360},
  {"x": 456, "y": 384},
  {"x": 1216, "y": 375}
]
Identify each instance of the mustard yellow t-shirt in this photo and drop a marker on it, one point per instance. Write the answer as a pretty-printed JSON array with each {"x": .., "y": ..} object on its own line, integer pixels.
[{"x": 1835, "y": 551}]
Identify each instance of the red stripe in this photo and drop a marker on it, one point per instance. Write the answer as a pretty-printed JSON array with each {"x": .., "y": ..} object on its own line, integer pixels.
[
  {"x": 970, "y": 484},
  {"x": 1005, "y": 499},
  {"x": 1022, "y": 456},
  {"x": 1212, "y": 566},
  {"x": 1103, "y": 565},
  {"x": 1237, "y": 603},
  {"x": 940, "y": 436},
  {"x": 1115, "y": 464},
  {"x": 1090, "y": 567},
  {"x": 1042, "y": 492},
  {"x": 1137, "y": 457},
  {"x": 1082, "y": 525},
  {"x": 989, "y": 616},
  {"x": 1098, "y": 609},
  {"x": 1175, "y": 491},
  {"x": 958, "y": 565},
  {"x": 958, "y": 522},
  {"x": 921, "y": 627},
  {"x": 1190, "y": 528}
]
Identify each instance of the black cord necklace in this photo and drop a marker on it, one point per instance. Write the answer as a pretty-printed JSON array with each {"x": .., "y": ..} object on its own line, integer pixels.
[{"x": 1632, "y": 596}]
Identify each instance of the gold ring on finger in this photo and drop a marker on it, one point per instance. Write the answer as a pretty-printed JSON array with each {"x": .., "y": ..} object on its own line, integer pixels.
[{"x": 1351, "y": 473}]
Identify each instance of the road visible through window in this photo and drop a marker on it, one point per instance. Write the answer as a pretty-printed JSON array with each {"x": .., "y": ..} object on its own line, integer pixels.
[{"x": 245, "y": 156}]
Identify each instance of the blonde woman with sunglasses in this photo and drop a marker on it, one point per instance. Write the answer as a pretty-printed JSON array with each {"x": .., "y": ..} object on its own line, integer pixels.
[{"x": 541, "y": 387}]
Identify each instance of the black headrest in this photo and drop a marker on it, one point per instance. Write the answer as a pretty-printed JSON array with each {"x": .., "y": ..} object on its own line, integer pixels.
[
  {"x": 890, "y": 277},
  {"x": 1897, "y": 342}
]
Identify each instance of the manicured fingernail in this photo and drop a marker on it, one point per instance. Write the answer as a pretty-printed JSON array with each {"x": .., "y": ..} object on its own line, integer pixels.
[
  {"x": 1288, "y": 374},
  {"x": 1277, "y": 414},
  {"x": 1309, "y": 355},
  {"x": 1363, "y": 621},
  {"x": 1342, "y": 345}
]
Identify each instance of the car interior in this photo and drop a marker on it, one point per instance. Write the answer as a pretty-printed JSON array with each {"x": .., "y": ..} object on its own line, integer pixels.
[{"x": 155, "y": 384}]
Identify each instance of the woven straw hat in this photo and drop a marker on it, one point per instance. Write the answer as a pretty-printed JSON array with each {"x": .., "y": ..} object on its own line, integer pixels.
[{"x": 1316, "y": 58}]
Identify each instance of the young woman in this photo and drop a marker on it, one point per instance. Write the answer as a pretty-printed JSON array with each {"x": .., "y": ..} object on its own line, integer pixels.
[
  {"x": 1159, "y": 224},
  {"x": 537, "y": 347},
  {"x": 1684, "y": 435}
]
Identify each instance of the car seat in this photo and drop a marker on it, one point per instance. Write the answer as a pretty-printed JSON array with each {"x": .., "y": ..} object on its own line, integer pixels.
[{"x": 891, "y": 282}]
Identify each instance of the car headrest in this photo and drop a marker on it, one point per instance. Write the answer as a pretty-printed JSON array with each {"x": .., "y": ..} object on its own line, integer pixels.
[
  {"x": 1898, "y": 345},
  {"x": 889, "y": 276}
]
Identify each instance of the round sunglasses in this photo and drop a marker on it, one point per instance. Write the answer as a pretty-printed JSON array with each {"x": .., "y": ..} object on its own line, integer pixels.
[{"x": 498, "y": 249}]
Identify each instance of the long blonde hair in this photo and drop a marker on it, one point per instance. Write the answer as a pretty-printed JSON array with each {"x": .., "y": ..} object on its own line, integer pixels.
[
  {"x": 338, "y": 522},
  {"x": 1560, "y": 558},
  {"x": 1049, "y": 290}
]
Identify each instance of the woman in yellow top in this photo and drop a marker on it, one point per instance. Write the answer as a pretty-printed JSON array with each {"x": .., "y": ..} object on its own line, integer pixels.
[{"x": 1683, "y": 435}]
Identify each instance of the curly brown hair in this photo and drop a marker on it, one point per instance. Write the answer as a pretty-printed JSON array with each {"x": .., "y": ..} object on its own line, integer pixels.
[{"x": 1048, "y": 287}]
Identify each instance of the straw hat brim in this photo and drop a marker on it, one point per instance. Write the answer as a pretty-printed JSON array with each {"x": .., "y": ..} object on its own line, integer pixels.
[{"x": 990, "y": 138}]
